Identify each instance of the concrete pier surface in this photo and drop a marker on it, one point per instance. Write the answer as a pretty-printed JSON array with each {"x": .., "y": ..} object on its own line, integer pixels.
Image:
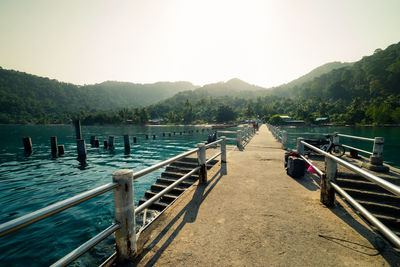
[{"x": 256, "y": 215}]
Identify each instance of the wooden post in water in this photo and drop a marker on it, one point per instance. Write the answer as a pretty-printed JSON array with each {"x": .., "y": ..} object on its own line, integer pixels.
[
  {"x": 92, "y": 140},
  {"x": 147, "y": 136},
  {"x": 78, "y": 131},
  {"x": 53, "y": 144},
  {"x": 134, "y": 140},
  {"x": 81, "y": 147},
  {"x": 96, "y": 143},
  {"x": 27, "y": 145},
  {"x": 61, "y": 150},
  {"x": 154, "y": 136},
  {"x": 201, "y": 156},
  {"x": 327, "y": 192},
  {"x": 111, "y": 142},
  {"x": 105, "y": 144},
  {"x": 163, "y": 134},
  {"x": 126, "y": 142},
  {"x": 124, "y": 212},
  {"x": 169, "y": 134},
  {"x": 174, "y": 133}
]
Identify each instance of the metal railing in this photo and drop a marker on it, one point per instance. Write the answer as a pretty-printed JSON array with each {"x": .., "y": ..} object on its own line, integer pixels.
[
  {"x": 328, "y": 185},
  {"x": 376, "y": 158},
  {"x": 124, "y": 211}
]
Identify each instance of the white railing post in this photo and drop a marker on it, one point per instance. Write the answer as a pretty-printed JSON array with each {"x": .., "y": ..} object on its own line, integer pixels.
[
  {"x": 239, "y": 139},
  {"x": 224, "y": 170},
  {"x": 284, "y": 140},
  {"x": 336, "y": 138},
  {"x": 377, "y": 151},
  {"x": 327, "y": 191},
  {"x": 125, "y": 236},
  {"x": 201, "y": 156},
  {"x": 300, "y": 146}
]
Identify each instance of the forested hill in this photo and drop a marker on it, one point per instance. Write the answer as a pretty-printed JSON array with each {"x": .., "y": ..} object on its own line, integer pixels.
[
  {"x": 285, "y": 89},
  {"x": 373, "y": 76},
  {"x": 29, "y": 98}
]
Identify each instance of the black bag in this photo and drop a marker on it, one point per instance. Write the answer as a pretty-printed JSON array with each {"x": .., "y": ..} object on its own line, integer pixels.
[{"x": 295, "y": 167}]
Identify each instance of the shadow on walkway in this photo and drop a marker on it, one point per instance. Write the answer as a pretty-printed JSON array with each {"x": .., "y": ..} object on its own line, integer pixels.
[{"x": 189, "y": 213}]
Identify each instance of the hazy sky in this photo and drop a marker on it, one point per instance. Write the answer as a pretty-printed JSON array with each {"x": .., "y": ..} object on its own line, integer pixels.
[{"x": 262, "y": 42}]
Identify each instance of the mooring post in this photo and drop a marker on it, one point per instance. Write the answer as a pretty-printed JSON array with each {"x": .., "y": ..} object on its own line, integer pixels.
[
  {"x": 174, "y": 133},
  {"x": 92, "y": 140},
  {"x": 284, "y": 140},
  {"x": 163, "y": 134},
  {"x": 61, "y": 150},
  {"x": 105, "y": 144},
  {"x": 96, "y": 143},
  {"x": 78, "y": 131},
  {"x": 53, "y": 143},
  {"x": 111, "y": 141},
  {"x": 327, "y": 192},
  {"x": 147, "y": 136},
  {"x": 127, "y": 145},
  {"x": 81, "y": 147},
  {"x": 134, "y": 140},
  {"x": 154, "y": 136},
  {"x": 169, "y": 134},
  {"x": 300, "y": 146},
  {"x": 201, "y": 156},
  {"x": 239, "y": 139},
  {"x": 27, "y": 145},
  {"x": 125, "y": 236},
  {"x": 377, "y": 151}
]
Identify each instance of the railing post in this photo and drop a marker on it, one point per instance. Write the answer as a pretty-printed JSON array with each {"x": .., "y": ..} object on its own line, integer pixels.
[
  {"x": 239, "y": 139},
  {"x": 223, "y": 156},
  {"x": 377, "y": 151},
  {"x": 201, "y": 156},
  {"x": 124, "y": 213},
  {"x": 300, "y": 146},
  {"x": 327, "y": 192},
  {"x": 284, "y": 140},
  {"x": 336, "y": 138}
]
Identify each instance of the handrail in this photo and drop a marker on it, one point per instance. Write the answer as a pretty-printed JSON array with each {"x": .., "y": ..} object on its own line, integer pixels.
[
  {"x": 28, "y": 219},
  {"x": 373, "y": 178},
  {"x": 79, "y": 251},
  {"x": 213, "y": 157},
  {"x": 357, "y": 137},
  {"x": 371, "y": 218},
  {"x": 163, "y": 163},
  {"x": 354, "y": 148},
  {"x": 213, "y": 143}
]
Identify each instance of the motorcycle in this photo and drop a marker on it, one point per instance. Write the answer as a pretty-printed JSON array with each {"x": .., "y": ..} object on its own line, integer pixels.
[{"x": 326, "y": 145}]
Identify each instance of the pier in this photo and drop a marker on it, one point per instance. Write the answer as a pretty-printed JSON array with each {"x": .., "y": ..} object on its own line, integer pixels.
[
  {"x": 257, "y": 215},
  {"x": 227, "y": 205}
]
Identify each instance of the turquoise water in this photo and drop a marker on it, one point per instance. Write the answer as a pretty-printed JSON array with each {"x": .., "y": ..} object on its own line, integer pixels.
[
  {"x": 31, "y": 183},
  {"x": 391, "y": 151}
]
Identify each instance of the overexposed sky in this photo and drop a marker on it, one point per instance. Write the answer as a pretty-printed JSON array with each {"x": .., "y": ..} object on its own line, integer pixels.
[{"x": 267, "y": 42}]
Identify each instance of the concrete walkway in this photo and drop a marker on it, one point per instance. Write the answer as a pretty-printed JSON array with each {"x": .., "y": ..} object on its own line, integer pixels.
[{"x": 256, "y": 215}]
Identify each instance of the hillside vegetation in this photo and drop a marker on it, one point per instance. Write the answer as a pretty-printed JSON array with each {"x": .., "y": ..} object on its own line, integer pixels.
[
  {"x": 367, "y": 91},
  {"x": 30, "y": 98}
]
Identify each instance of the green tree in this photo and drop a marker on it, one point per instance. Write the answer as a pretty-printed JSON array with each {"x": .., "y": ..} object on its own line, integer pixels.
[{"x": 225, "y": 114}]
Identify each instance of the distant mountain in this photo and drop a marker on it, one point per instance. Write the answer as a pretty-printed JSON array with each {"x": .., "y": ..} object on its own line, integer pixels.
[{"x": 25, "y": 97}]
